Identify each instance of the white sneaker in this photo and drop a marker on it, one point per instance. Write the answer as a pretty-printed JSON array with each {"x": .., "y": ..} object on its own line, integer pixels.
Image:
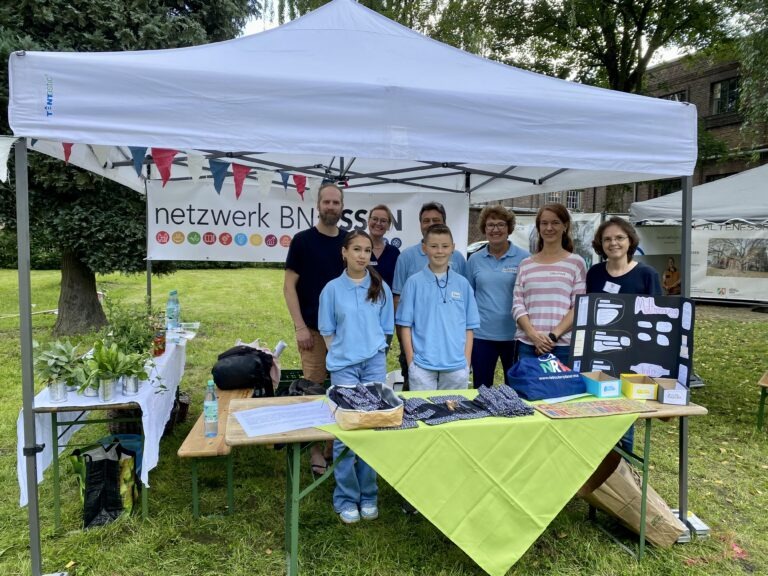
[
  {"x": 369, "y": 512},
  {"x": 350, "y": 516}
]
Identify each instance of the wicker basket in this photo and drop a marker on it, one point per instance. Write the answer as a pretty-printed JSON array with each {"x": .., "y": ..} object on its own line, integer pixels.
[{"x": 360, "y": 419}]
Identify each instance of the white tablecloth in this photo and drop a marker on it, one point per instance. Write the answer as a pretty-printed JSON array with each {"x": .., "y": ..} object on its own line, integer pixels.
[{"x": 155, "y": 398}]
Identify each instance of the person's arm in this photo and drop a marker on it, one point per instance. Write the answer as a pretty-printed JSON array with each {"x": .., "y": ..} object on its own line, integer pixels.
[
  {"x": 520, "y": 314},
  {"x": 468, "y": 346},
  {"x": 395, "y": 302},
  {"x": 303, "y": 336},
  {"x": 406, "y": 343}
]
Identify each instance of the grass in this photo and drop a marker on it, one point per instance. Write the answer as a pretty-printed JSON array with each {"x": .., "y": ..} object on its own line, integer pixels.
[{"x": 728, "y": 469}]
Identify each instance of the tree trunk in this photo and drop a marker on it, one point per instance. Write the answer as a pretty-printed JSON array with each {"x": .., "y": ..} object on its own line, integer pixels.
[{"x": 79, "y": 307}]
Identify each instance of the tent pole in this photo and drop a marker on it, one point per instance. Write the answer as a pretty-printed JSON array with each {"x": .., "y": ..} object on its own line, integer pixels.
[
  {"x": 685, "y": 266},
  {"x": 27, "y": 371},
  {"x": 146, "y": 251}
]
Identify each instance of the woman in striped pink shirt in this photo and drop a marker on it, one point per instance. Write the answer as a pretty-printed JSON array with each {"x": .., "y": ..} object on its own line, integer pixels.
[{"x": 546, "y": 288}]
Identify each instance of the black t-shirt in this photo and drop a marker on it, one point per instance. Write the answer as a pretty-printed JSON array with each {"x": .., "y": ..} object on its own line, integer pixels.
[
  {"x": 316, "y": 258},
  {"x": 642, "y": 279}
]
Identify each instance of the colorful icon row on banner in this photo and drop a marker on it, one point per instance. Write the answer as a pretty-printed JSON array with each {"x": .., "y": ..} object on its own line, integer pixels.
[{"x": 225, "y": 239}]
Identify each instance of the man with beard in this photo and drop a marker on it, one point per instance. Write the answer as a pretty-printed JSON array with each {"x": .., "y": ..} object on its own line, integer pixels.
[{"x": 314, "y": 259}]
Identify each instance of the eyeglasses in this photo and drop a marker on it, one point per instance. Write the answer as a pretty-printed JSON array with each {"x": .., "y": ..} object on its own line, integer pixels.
[
  {"x": 377, "y": 220},
  {"x": 497, "y": 226},
  {"x": 619, "y": 239}
]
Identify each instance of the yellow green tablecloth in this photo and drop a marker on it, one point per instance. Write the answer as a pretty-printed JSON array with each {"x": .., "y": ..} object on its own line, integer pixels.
[{"x": 491, "y": 485}]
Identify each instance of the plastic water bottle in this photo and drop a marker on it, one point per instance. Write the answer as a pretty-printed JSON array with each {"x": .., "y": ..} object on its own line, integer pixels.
[
  {"x": 211, "y": 411},
  {"x": 172, "y": 311}
]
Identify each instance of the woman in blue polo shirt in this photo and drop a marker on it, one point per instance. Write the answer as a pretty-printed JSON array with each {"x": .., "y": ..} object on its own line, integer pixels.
[
  {"x": 356, "y": 315},
  {"x": 492, "y": 274}
]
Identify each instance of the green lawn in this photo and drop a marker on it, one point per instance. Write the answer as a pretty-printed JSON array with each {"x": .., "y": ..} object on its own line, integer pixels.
[{"x": 728, "y": 469}]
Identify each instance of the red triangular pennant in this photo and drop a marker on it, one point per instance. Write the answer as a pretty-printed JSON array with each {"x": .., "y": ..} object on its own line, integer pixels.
[
  {"x": 163, "y": 158},
  {"x": 67, "y": 151},
  {"x": 239, "y": 172},
  {"x": 301, "y": 184}
]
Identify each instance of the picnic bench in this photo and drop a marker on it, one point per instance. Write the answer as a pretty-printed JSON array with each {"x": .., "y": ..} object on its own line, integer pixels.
[
  {"x": 763, "y": 383},
  {"x": 197, "y": 445}
]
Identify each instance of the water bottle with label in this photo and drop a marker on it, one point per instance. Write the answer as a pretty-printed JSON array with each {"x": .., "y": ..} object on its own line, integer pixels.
[
  {"x": 172, "y": 316},
  {"x": 211, "y": 411}
]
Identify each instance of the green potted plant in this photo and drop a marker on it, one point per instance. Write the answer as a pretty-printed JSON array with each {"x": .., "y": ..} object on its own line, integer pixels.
[
  {"x": 104, "y": 366},
  {"x": 133, "y": 371},
  {"x": 57, "y": 366},
  {"x": 129, "y": 326}
]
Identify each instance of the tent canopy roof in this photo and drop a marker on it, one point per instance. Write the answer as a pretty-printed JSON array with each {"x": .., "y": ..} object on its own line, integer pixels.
[
  {"x": 344, "y": 81},
  {"x": 709, "y": 200}
]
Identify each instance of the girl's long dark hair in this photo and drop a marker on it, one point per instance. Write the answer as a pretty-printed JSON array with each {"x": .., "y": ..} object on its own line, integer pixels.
[{"x": 375, "y": 290}]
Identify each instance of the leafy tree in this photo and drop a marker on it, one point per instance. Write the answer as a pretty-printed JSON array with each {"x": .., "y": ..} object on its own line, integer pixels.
[
  {"x": 752, "y": 44},
  {"x": 601, "y": 42},
  {"x": 97, "y": 225}
]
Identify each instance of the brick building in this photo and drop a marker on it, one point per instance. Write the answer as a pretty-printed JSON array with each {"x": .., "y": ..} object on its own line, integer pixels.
[{"x": 713, "y": 86}]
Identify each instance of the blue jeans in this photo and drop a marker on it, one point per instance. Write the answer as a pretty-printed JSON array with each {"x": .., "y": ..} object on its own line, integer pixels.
[
  {"x": 355, "y": 480},
  {"x": 563, "y": 353},
  {"x": 485, "y": 355}
]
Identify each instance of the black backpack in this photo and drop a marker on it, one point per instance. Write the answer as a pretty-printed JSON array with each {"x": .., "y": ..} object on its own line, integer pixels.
[{"x": 244, "y": 367}]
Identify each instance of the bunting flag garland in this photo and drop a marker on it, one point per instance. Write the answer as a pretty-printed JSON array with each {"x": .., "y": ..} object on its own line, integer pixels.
[
  {"x": 265, "y": 182},
  {"x": 101, "y": 153},
  {"x": 6, "y": 142},
  {"x": 67, "y": 151},
  {"x": 239, "y": 172},
  {"x": 163, "y": 158},
  {"x": 195, "y": 166},
  {"x": 301, "y": 184},
  {"x": 284, "y": 176},
  {"x": 219, "y": 172},
  {"x": 32, "y": 142},
  {"x": 313, "y": 185},
  {"x": 138, "y": 153}
]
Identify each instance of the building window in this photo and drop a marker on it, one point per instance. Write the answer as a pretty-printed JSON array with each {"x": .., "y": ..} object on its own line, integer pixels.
[
  {"x": 553, "y": 197},
  {"x": 680, "y": 96},
  {"x": 664, "y": 187},
  {"x": 573, "y": 200},
  {"x": 725, "y": 96}
]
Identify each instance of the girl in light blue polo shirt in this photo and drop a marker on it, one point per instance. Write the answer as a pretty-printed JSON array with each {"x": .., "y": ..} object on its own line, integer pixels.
[{"x": 356, "y": 315}]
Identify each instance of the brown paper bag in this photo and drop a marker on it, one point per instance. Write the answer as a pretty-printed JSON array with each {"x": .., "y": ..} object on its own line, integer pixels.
[{"x": 621, "y": 495}]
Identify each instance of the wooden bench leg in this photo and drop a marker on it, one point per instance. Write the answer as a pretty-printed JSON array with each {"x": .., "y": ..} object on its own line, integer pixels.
[
  {"x": 230, "y": 486},
  {"x": 761, "y": 408},
  {"x": 195, "y": 495}
]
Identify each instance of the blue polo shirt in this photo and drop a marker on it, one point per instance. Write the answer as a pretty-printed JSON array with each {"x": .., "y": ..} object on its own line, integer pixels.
[
  {"x": 358, "y": 325},
  {"x": 438, "y": 327},
  {"x": 413, "y": 259},
  {"x": 494, "y": 282}
]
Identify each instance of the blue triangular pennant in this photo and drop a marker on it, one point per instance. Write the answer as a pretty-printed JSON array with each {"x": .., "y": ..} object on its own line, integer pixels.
[
  {"x": 138, "y": 153},
  {"x": 285, "y": 176},
  {"x": 219, "y": 172},
  {"x": 33, "y": 141}
]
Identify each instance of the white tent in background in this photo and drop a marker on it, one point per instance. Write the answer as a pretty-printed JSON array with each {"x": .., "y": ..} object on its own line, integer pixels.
[
  {"x": 342, "y": 93},
  {"x": 741, "y": 196}
]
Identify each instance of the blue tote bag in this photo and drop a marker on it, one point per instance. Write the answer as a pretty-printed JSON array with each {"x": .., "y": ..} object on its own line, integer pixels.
[{"x": 544, "y": 377}]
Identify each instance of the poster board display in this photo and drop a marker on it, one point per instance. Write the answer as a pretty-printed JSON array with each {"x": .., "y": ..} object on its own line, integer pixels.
[
  {"x": 630, "y": 333},
  {"x": 195, "y": 223}
]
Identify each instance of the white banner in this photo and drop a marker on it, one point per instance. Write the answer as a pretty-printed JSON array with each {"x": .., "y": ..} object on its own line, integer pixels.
[
  {"x": 730, "y": 261},
  {"x": 189, "y": 221},
  {"x": 584, "y": 228}
]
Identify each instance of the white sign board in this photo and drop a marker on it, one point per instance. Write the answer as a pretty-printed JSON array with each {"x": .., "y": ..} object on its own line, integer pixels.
[{"x": 193, "y": 222}]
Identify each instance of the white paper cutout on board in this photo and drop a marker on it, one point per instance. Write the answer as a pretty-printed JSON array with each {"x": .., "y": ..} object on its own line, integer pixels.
[
  {"x": 652, "y": 370},
  {"x": 687, "y": 315},
  {"x": 644, "y": 337},
  {"x": 647, "y": 305},
  {"x": 664, "y": 326},
  {"x": 662, "y": 340}
]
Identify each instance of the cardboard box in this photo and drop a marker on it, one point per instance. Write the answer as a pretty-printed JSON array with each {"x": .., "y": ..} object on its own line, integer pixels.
[
  {"x": 670, "y": 391},
  {"x": 638, "y": 387},
  {"x": 601, "y": 384}
]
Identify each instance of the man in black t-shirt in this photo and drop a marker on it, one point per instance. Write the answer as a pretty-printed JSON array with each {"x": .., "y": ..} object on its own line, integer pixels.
[{"x": 314, "y": 259}]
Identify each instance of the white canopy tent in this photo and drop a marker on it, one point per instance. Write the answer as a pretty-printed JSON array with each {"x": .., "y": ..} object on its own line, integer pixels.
[
  {"x": 709, "y": 200},
  {"x": 342, "y": 93}
]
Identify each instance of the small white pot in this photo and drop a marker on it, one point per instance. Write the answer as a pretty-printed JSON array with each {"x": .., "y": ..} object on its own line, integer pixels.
[
  {"x": 107, "y": 387},
  {"x": 57, "y": 392},
  {"x": 131, "y": 385}
]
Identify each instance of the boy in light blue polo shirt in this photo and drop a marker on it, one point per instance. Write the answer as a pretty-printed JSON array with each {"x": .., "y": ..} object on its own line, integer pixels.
[{"x": 437, "y": 314}]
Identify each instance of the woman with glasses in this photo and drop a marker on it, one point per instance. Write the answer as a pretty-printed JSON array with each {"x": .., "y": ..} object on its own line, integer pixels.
[
  {"x": 546, "y": 288},
  {"x": 492, "y": 275},
  {"x": 384, "y": 256},
  {"x": 616, "y": 241}
]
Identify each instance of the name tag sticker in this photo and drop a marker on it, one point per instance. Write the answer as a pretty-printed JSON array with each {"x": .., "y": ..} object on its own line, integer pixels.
[
  {"x": 611, "y": 287},
  {"x": 509, "y": 269},
  {"x": 456, "y": 295}
]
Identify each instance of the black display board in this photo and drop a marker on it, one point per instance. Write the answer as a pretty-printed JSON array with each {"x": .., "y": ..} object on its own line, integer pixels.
[{"x": 622, "y": 333}]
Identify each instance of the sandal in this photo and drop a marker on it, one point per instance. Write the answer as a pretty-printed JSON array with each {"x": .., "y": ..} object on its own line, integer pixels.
[{"x": 318, "y": 463}]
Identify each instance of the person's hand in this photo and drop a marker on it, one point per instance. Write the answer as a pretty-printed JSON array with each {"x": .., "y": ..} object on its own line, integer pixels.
[
  {"x": 304, "y": 339},
  {"x": 542, "y": 343}
]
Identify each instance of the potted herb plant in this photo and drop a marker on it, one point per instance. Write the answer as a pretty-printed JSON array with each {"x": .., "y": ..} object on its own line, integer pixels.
[
  {"x": 104, "y": 365},
  {"x": 57, "y": 366},
  {"x": 134, "y": 370}
]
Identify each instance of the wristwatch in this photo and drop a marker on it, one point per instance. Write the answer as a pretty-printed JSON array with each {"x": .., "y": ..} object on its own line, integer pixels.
[{"x": 553, "y": 337}]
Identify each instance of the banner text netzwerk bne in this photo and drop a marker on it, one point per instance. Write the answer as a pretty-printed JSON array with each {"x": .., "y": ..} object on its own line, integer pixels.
[{"x": 289, "y": 218}]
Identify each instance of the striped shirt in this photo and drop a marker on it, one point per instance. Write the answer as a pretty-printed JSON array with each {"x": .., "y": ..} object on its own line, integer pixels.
[{"x": 545, "y": 292}]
